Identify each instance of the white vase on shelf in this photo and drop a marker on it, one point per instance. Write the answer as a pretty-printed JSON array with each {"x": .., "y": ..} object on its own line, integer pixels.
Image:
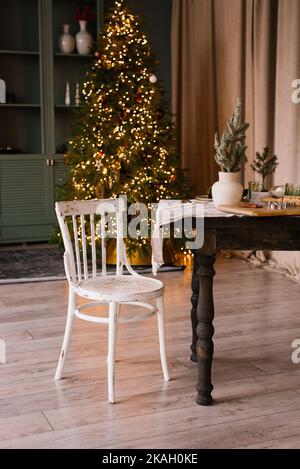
[
  {"x": 66, "y": 41},
  {"x": 228, "y": 190},
  {"x": 2, "y": 91},
  {"x": 84, "y": 39},
  {"x": 67, "y": 94}
]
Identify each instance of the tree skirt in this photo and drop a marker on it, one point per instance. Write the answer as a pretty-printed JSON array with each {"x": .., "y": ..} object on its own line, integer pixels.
[{"x": 44, "y": 264}]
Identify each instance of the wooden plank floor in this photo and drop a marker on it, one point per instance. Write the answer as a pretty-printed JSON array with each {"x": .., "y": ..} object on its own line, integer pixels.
[{"x": 257, "y": 387}]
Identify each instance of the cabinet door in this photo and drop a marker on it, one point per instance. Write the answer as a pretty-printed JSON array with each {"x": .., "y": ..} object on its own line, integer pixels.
[
  {"x": 61, "y": 173},
  {"x": 25, "y": 198}
]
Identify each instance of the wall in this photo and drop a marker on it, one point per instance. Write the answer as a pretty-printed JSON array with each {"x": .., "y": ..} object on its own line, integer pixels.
[{"x": 156, "y": 15}]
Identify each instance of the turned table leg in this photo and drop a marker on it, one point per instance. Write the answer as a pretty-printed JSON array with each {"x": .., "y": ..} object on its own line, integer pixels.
[
  {"x": 194, "y": 301},
  {"x": 204, "y": 272},
  {"x": 205, "y": 329}
]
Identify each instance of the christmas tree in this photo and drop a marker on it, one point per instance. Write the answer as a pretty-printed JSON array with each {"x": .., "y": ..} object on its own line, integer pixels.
[{"x": 125, "y": 141}]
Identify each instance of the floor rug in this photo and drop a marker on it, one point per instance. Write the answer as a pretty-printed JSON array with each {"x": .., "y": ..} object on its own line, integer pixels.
[{"x": 44, "y": 264}]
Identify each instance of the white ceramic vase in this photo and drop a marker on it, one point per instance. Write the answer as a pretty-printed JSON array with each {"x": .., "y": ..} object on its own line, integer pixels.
[
  {"x": 66, "y": 41},
  {"x": 84, "y": 39},
  {"x": 228, "y": 190}
]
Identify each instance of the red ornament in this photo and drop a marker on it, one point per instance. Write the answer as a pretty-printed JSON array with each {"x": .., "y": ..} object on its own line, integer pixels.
[
  {"x": 138, "y": 99},
  {"x": 100, "y": 154}
]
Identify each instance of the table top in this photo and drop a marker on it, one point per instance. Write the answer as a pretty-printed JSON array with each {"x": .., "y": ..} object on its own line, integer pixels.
[
  {"x": 282, "y": 223},
  {"x": 254, "y": 233}
]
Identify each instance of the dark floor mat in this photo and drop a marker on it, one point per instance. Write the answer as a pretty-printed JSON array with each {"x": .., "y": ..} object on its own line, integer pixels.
[{"x": 45, "y": 263}]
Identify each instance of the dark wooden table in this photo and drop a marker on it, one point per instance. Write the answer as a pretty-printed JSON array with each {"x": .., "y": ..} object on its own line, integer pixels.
[{"x": 233, "y": 233}]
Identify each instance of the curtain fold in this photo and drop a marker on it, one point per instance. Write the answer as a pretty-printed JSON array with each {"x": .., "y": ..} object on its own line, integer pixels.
[
  {"x": 193, "y": 86},
  {"x": 225, "y": 49}
]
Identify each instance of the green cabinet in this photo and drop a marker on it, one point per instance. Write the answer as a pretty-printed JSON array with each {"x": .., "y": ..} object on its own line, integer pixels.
[
  {"x": 25, "y": 204},
  {"x": 34, "y": 121}
]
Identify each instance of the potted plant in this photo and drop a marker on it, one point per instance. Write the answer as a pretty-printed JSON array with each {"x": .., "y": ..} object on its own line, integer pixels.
[
  {"x": 264, "y": 164},
  {"x": 230, "y": 155}
]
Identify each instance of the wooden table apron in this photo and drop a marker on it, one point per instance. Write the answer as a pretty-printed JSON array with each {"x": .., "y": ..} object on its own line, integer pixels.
[{"x": 234, "y": 233}]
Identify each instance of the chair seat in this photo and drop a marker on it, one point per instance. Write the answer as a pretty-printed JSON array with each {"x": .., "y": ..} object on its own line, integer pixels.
[{"x": 120, "y": 288}]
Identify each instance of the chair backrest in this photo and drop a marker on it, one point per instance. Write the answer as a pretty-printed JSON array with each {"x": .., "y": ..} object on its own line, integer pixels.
[{"x": 83, "y": 225}]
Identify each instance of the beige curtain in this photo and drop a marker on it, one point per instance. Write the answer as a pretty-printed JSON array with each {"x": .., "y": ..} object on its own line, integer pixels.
[{"x": 223, "y": 49}]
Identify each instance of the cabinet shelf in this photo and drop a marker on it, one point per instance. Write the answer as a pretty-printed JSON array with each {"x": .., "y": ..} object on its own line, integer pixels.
[
  {"x": 19, "y": 52},
  {"x": 21, "y": 153},
  {"x": 19, "y": 105},
  {"x": 74, "y": 55},
  {"x": 70, "y": 106}
]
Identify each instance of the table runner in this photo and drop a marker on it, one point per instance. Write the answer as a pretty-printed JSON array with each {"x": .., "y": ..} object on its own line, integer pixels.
[{"x": 170, "y": 211}]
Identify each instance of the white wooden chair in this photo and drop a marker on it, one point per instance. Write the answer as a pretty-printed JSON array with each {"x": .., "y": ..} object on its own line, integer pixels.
[{"x": 99, "y": 287}]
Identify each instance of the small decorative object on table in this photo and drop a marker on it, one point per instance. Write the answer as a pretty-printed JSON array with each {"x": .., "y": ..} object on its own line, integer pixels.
[
  {"x": 67, "y": 94},
  {"x": 2, "y": 91},
  {"x": 292, "y": 190},
  {"x": 230, "y": 156},
  {"x": 265, "y": 165},
  {"x": 66, "y": 41},
  {"x": 281, "y": 205},
  {"x": 257, "y": 192},
  {"x": 277, "y": 191},
  {"x": 84, "y": 39}
]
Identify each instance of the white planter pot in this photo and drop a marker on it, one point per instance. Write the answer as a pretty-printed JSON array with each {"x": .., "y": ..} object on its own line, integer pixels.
[
  {"x": 257, "y": 196},
  {"x": 66, "y": 41},
  {"x": 228, "y": 190},
  {"x": 84, "y": 39}
]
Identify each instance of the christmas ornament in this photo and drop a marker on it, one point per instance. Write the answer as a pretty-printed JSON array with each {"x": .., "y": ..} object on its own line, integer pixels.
[
  {"x": 98, "y": 164},
  {"x": 153, "y": 79},
  {"x": 99, "y": 154}
]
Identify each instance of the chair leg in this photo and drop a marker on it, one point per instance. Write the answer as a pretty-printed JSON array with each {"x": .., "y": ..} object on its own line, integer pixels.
[
  {"x": 112, "y": 333},
  {"x": 67, "y": 336},
  {"x": 162, "y": 336}
]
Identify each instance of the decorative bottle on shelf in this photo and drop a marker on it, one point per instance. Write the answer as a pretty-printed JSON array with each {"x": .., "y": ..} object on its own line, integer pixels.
[
  {"x": 84, "y": 39},
  {"x": 2, "y": 91},
  {"x": 67, "y": 95},
  {"x": 66, "y": 41},
  {"x": 77, "y": 95}
]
